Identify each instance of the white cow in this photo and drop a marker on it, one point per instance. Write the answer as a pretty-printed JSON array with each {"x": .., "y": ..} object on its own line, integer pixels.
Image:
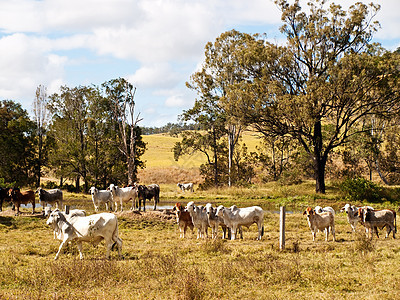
[
  {"x": 123, "y": 195},
  {"x": 186, "y": 187},
  {"x": 92, "y": 229},
  {"x": 235, "y": 217},
  {"x": 318, "y": 209},
  {"x": 101, "y": 196},
  {"x": 199, "y": 219},
  {"x": 324, "y": 221}
]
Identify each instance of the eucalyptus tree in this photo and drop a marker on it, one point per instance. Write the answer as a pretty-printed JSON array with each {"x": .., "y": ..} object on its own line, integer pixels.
[
  {"x": 219, "y": 72},
  {"x": 121, "y": 96},
  {"x": 69, "y": 130},
  {"x": 320, "y": 85},
  {"x": 41, "y": 118},
  {"x": 208, "y": 140}
]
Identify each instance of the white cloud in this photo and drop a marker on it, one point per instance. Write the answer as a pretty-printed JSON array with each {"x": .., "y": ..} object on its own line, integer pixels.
[
  {"x": 155, "y": 76},
  {"x": 24, "y": 64},
  {"x": 175, "y": 101}
]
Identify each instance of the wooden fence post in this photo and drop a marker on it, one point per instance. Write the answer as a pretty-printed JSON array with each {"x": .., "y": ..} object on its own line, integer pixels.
[
  {"x": 282, "y": 228},
  {"x": 67, "y": 209}
]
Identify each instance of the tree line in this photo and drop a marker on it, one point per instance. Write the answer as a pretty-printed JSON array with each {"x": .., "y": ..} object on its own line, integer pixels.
[
  {"x": 327, "y": 94},
  {"x": 89, "y": 134}
]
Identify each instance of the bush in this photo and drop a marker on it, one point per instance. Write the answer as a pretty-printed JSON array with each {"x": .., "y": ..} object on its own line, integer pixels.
[{"x": 361, "y": 189}]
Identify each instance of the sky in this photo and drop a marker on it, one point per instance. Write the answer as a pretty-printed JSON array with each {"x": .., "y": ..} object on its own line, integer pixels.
[{"x": 155, "y": 44}]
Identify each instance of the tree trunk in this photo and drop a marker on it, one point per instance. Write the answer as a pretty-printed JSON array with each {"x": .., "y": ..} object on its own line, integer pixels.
[
  {"x": 319, "y": 159},
  {"x": 39, "y": 167},
  {"x": 320, "y": 175},
  {"x": 77, "y": 185}
]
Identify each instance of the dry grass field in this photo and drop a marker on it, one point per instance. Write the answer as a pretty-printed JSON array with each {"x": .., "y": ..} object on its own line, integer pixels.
[
  {"x": 158, "y": 264},
  {"x": 161, "y": 166}
]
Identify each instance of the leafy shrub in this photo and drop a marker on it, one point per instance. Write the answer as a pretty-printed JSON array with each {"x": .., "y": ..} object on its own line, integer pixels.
[{"x": 361, "y": 189}]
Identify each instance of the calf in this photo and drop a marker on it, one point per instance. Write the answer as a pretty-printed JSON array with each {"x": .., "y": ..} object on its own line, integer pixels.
[
  {"x": 186, "y": 187},
  {"x": 323, "y": 221},
  {"x": 25, "y": 197},
  {"x": 51, "y": 197},
  {"x": 374, "y": 219},
  {"x": 101, "y": 196},
  {"x": 215, "y": 221},
  {"x": 183, "y": 219},
  {"x": 235, "y": 217},
  {"x": 92, "y": 229},
  {"x": 148, "y": 192},
  {"x": 199, "y": 219}
]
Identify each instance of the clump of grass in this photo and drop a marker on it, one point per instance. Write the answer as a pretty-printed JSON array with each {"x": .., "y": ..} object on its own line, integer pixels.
[
  {"x": 362, "y": 243},
  {"x": 214, "y": 246},
  {"x": 191, "y": 284}
]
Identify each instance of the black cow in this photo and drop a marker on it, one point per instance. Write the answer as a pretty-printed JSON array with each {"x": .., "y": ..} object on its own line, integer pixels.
[
  {"x": 3, "y": 196},
  {"x": 148, "y": 192}
]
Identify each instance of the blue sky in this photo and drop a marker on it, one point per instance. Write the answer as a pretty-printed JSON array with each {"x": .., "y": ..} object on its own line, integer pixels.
[{"x": 155, "y": 44}]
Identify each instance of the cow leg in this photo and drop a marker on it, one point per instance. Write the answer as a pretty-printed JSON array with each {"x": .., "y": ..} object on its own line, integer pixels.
[
  {"x": 120, "y": 203},
  {"x": 79, "y": 245},
  {"x": 182, "y": 230},
  {"x": 144, "y": 204},
  {"x": 233, "y": 233},
  {"x": 60, "y": 248}
]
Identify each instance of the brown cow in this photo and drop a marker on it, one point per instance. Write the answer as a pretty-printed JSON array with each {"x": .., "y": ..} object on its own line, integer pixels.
[
  {"x": 374, "y": 219},
  {"x": 25, "y": 197},
  {"x": 323, "y": 221},
  {"x": 183, "y": 219}
]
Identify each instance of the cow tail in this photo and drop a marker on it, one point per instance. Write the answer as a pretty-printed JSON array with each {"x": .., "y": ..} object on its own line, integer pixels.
[{"x": 262, "y": 231}]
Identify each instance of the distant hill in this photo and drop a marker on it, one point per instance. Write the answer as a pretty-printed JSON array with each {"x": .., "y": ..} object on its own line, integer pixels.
[{"x": 161, "y": 166}]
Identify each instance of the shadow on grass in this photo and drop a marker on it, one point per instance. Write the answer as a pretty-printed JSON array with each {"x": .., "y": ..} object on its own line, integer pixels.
[{"x": 6, "y": 221}]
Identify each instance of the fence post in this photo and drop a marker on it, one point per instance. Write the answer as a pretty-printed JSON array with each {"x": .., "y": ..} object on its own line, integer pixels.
[
  {"x": 67, "y": 209},
  {"x": 282, "y": 228}
]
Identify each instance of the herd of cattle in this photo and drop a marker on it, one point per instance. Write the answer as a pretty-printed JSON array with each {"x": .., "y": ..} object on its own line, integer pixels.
[{"x": 76, "y": 225}]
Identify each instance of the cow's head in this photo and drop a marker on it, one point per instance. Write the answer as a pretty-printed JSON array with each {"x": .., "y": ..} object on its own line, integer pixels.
[
  {"x": 209, "y": 208},
  {"x": 309, "y": 212},
  {"x": 93, "y": 190},
  {"x": 190, "y": 206},
  {"x": 220, "y": 211},
  {"x": 55, "y": 216}
]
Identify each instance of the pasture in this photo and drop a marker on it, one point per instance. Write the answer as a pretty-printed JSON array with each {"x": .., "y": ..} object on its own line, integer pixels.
[{"x": 158, "y": 264}]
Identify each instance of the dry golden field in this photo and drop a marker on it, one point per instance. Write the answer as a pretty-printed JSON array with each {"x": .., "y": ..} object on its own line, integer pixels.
[
  {"x": 158, "y": 264},
  {"x": 161, "y": 166}
]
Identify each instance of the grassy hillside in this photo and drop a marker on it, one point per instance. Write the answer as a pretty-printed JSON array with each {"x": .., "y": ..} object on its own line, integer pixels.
[
  {"x": 159, "y": 151},
  {"x": 161, "y": 166}
]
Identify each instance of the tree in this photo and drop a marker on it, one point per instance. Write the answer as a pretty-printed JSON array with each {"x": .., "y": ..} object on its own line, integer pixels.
[
  {"x": 17, "y": 134},
  {"x": 121, "y": 95},
  {"x": 69, "y": 130},
  {"x": 322, "y": 83},
  {"x": 41, "y": 118},
  {"x": 208, "y": 140}
]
